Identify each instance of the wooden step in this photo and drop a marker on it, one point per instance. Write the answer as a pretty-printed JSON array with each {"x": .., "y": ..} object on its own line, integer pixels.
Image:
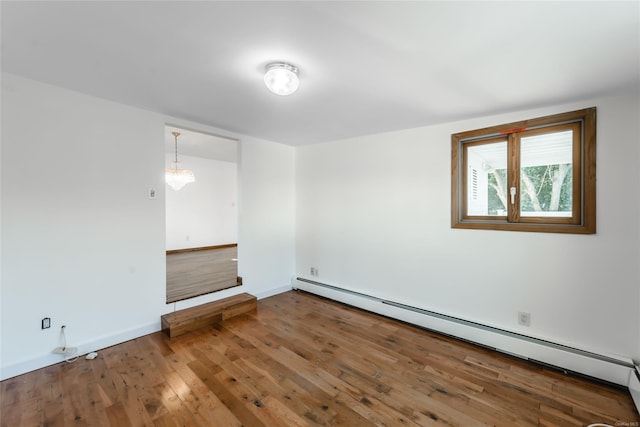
[{"x": 189, "y": 319}]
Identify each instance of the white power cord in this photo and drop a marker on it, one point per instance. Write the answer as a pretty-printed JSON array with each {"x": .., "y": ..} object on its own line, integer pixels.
[{"x": 64, "y": 350}]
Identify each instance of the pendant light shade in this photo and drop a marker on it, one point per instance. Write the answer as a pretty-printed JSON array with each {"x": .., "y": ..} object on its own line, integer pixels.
[
  {"x": 175, "y": 177},
  {"x": 281, "y": 78}
]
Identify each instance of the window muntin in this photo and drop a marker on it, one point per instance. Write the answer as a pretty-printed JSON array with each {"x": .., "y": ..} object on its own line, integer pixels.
[{"x": 549, "y": 165}]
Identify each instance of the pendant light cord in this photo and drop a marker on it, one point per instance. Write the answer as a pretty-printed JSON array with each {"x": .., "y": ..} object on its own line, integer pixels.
[{"x": 175, "y": 163}]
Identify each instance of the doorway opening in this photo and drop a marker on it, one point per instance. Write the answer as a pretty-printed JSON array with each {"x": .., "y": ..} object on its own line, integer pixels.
[{"x": 201, "y": 217}]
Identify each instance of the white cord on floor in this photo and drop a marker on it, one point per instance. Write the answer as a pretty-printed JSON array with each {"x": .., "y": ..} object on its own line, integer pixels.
[{"x": 64, "y": 346}]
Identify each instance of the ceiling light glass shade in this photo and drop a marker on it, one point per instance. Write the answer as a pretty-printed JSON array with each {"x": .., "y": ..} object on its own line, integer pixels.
[
  {"x": 281, "y": 78},
  {"x": 175, "y": 177}
]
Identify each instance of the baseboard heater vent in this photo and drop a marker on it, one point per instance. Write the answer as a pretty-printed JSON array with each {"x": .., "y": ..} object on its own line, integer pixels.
[
  {"x": 511, "y": 334},
  {"x": 607, "y": 368},
  {"x": 634, "y": 386}
]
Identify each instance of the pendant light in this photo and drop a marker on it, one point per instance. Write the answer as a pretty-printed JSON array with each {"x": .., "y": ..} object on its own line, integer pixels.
[{"x": 175, "y": 177}]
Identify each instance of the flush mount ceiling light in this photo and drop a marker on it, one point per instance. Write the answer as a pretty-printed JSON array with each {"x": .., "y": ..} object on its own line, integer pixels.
[
  {"x": 281, "y": 78},
  {"x": 175, "y": 177}
]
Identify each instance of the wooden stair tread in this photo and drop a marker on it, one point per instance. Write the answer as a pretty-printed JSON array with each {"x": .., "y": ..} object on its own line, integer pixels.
[{"x": 189, "y": 319}]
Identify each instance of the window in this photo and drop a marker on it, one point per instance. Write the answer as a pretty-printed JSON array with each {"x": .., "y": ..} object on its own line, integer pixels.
[{"x": 534, "y": 175}]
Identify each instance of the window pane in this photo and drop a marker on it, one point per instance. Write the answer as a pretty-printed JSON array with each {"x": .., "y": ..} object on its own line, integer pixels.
[
  {"x": 487, "y": 179},
  {"x": 546, "y": 175}
]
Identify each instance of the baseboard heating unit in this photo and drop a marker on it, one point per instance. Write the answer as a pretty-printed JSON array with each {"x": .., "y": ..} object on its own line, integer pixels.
[
  {"x": 634, "y": 386},
  {"x": 609, "y": 368}
]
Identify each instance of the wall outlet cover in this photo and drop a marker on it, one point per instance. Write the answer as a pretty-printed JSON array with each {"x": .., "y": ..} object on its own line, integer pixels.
[{"x": 524, "y": 319}]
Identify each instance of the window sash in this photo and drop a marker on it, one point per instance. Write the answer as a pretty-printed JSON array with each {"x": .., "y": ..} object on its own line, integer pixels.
[
  {"x": 576, "y": 193},
  {"x": 467, "y": 166}
]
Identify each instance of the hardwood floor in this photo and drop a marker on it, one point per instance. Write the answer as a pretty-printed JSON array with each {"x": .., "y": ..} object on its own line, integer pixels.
[
  {"x": 301, "y": 360},
  {"x": 190, "y": 274}
]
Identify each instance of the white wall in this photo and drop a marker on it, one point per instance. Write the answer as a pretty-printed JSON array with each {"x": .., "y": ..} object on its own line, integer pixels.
[
  {"x": 81, "y": 241},
  {"x": 266, "y": 215},
  {"x": 205, "y": 212},
  {"x": 373, "y": 216}
]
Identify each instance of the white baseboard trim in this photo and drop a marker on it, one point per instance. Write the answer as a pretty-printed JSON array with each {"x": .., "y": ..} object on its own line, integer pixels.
[
  {"x": 609, "y": 368},
  {"x": 273, "y": 291},
  {"x": 48, "y": 359}
]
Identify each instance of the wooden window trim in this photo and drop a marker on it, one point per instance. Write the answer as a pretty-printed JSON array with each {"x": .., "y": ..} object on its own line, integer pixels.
[{"x": 584, "y": 160}]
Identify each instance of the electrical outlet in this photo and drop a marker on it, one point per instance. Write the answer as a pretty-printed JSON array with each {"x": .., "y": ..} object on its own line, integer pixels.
[
  {"x": 46, "y": 323},
  {"x": 524, "y": 318},
  {"x": 314, "y": 271}
]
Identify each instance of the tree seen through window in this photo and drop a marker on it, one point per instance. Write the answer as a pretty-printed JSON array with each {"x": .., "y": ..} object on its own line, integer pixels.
[{"x": 544, "y": 189}]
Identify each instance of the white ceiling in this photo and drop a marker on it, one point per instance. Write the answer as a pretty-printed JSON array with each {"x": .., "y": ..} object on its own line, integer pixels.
[{"x": 365, "y": 67}]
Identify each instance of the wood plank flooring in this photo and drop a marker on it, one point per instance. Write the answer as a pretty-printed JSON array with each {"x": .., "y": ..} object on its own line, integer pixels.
[
  {"x": 301, "y": 360},
  {"x": 190, "y": 274}
]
